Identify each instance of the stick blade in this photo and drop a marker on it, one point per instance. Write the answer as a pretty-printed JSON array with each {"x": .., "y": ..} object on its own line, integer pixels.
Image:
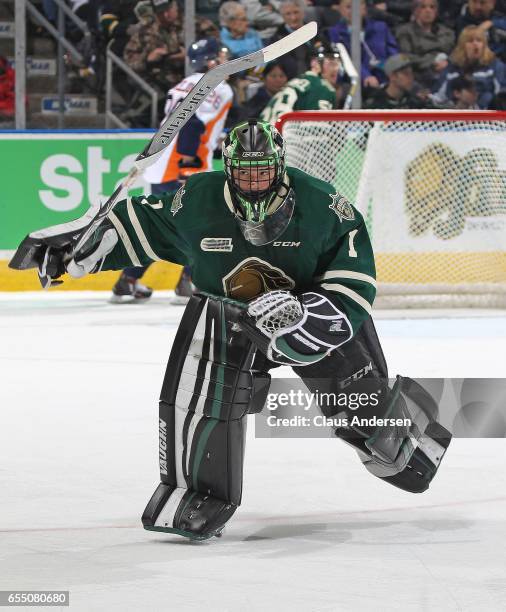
[
  {"x": 290, "y": 42},
  {"x": 348, "y": 65}
]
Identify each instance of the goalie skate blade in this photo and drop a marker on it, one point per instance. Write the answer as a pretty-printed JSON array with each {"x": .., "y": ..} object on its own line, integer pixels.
[{"x": 187, "y": 534}]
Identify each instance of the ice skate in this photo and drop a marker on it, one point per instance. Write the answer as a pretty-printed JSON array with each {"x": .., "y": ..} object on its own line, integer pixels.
[
  {"x": 184, "y": 290},
  {"x": 129, "y": 290}
]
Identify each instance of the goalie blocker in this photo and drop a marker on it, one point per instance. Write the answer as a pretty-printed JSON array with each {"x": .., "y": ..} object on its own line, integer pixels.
[{"x": 215, "y": 376}]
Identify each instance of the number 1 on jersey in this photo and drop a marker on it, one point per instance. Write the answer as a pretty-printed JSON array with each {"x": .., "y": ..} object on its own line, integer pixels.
[{"x": 351, "y": 246}]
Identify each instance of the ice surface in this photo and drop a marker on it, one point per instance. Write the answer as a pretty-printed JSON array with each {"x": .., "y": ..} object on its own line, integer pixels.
[{"x": 78, "y": 439}]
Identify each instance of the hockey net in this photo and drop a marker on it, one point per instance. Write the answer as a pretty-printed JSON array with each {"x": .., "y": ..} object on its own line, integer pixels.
[{"x": 432, "y": 189}]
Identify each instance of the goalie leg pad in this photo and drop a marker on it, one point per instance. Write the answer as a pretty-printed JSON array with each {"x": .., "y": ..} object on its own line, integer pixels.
[
  {"x": 208, "y": 391},
  {"x": 408, "y": 455}
]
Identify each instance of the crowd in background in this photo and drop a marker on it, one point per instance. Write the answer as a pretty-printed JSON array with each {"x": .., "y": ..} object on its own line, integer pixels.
[{"x": 415, "y": 54}]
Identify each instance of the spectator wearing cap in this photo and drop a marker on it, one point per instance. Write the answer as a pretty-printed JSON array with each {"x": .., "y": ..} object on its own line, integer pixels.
[
  {"x": 297, "y": 61},
  {"x": 235, "y": 33},
  {"x": 263, "y": 16},
  {"x": 156, "y": 47},
  {"x": 473, "y": 58},
  {"x": 378, "y": 42},
  {"x": 482, "y": 13},
  {"x": 399, "y": 92},
  {"x": 274, "y": 78},
  {"x": 427, "y": 42}
]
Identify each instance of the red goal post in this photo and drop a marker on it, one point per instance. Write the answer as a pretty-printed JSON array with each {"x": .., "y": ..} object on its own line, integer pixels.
[{"x": 432, "y": 188}]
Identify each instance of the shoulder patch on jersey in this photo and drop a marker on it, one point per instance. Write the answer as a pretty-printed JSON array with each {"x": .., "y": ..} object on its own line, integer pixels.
[
  {"x": 177, "y": 202},
  {"x": 342, "y": 207},
  {"x": 217, "y": 244}
]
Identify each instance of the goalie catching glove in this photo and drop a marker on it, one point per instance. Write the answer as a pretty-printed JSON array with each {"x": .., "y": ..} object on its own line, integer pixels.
[{"x": 295, "y": 331}]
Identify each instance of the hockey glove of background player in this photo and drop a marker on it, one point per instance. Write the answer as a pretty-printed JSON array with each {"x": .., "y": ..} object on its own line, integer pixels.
[{"x": 295, "y": 331}]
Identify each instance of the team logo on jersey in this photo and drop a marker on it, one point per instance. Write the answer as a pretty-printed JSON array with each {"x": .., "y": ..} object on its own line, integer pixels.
[
  {"x": 253, "y": 277},
  {"x": 177, "y": 202},
  {"x": 217, "y": 244},
  {"x": 341, "y": 207}
]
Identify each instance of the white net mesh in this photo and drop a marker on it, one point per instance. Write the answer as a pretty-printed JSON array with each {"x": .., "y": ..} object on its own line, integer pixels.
[{"x": 433, "y": 193}]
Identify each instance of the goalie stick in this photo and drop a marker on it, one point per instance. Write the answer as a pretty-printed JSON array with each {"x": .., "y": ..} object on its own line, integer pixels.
[
  {"x": 25, "y": 255},
  {"x": 352, "y": 73}
]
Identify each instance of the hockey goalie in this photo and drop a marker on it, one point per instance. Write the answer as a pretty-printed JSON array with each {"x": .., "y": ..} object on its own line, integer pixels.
[{"x": 286, "y": 272}]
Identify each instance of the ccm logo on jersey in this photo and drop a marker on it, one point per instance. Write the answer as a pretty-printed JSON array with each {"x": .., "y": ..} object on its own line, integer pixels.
[
  {"x": 217, "y": 244},
  {"x": 286, "y": 244}
]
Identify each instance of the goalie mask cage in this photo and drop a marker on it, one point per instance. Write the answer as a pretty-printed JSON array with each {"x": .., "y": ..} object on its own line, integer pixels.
[{"x": 431, "y": 186}]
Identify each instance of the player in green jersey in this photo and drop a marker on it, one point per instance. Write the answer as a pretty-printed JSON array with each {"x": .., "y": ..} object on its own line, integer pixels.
[
  {"x": 288, "y": 273},
  {"x": 315, "y": 89}
]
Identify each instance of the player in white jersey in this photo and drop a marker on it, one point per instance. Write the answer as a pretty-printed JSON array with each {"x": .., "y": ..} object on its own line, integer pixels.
[{"x": 191, "y": 152}]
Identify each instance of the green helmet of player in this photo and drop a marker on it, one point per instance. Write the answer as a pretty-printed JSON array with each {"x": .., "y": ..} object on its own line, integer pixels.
[{"x": 254, "y": 160}]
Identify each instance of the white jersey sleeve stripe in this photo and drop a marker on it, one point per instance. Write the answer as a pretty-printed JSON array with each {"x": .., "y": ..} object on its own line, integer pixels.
[
  {"x": 335, "y": 274},
  {"x": 140, "y": 233},
  {"x": 337, "y": 288},
  {"x": 124, "y": 238}
]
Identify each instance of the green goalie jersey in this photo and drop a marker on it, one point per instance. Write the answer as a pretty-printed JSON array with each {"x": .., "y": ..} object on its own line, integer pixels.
[
  {"x": 307, "y": 92},
  {"x": 326, "y": 244}
]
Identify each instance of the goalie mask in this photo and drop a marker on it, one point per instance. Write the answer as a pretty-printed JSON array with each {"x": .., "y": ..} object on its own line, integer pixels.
[{"x": 254, "y": 160}]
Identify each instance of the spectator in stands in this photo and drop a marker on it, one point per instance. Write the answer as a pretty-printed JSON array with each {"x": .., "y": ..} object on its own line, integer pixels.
[
  {"x": 449, "y": 10},
  {"x": 424, "y": 39},
  {"x": 263, "y": 16},
  {"x": 88, "y": 11},
  {"x": 116, "y": 18},
  {"x": 235, "y": 33},
  {"x": 330, "y": 14},
  {"x": 274, "y": 78},
  {"x": 498, "y": 102},
  {"x": 50, "y": 10},
  {"x": 392, "y": 12},
  {"x": 298, "y": 60},
  {"x": 464, "y": 94},
  {"x": 378, "y": 43},
  {"x": 399, "y": 92},
  {"x": 156, "y": 47},
  {"x": 7, "y": 80},
  {"x": 482, "y": 13},
  {"x": 206, "y": 29},
  {"x": 473, "y": 58}
]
